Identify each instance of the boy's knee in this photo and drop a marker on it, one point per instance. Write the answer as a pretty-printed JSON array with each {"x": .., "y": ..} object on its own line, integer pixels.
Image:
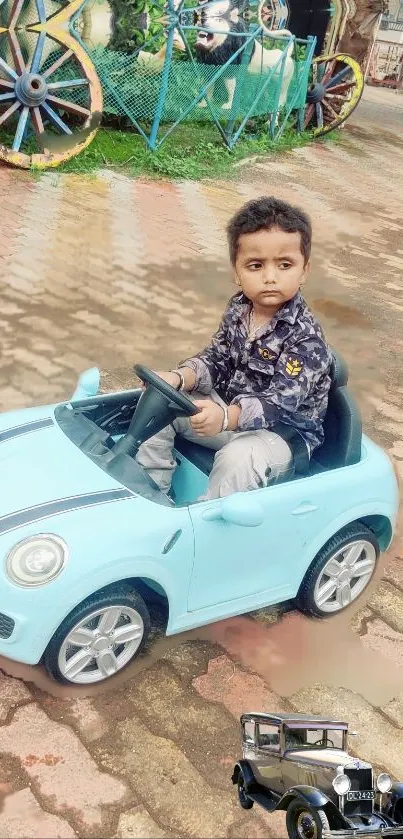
[
  {"x": 236, "y": 452},
  {"x": 235, "y": 467},
  {"x": 255, "y": 458}
]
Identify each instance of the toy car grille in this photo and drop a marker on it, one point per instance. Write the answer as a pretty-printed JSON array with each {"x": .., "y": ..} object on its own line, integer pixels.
[
  {"x": 361, "y": 779},
  {"x": 6, "y": 626}
]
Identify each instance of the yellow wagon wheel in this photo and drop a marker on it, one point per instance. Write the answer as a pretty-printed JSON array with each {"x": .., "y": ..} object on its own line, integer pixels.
[
  {"x": 50, "y": 101},
  {"x": 336, "y": 89}
]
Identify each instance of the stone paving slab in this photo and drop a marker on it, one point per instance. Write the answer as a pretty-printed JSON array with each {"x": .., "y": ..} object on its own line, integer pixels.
[
  {"x": 22, "y": 817},
  {"x": 169, "y": 784},
  {"x": 387, "y": 602},
  {"x": 394, "y": 710},
  {"x": 380, "y": 636},
  {"x": 13, "y": 693},
  {"x": 227, "y": 684},
  {"x": 61, "y": 770},
  {"x": 137, "y": 823}
]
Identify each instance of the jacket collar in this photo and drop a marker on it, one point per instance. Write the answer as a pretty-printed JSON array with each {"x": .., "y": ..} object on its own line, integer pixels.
[{"x": 289, "y": 312}]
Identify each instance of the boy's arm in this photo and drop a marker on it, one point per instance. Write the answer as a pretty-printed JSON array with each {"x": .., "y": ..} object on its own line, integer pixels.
[
  {"x": 298, "y": 372},
  {"x": 201, "y": 371}
]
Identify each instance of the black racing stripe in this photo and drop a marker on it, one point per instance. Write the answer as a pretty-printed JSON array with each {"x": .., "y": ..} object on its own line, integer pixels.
[
  {"x": 26, "y": 428},
  {"x": 62, "y": 505}
]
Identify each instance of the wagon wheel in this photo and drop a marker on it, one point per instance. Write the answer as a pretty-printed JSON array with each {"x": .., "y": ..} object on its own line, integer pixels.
[
  {"x": 50, "y": 102},
  {"x": 336, "y": 89}
]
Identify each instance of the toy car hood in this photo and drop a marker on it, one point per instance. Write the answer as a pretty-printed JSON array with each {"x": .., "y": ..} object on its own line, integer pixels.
[
  {"x": 39, "y": 464},
  {"x": 329, "y": 758}
]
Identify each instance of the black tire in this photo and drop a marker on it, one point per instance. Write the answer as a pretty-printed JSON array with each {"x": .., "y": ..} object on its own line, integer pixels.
[
  {"x": 105, "y": 598},
  {"x": 398, "y": 813},
  {"x": 305, "y": 600},
  {"x": 245, "y": 802},
  {"x": 316, "y": 821}
]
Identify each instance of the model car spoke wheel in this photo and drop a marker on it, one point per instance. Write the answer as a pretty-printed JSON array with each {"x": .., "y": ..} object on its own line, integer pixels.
[
  {"x": 345, "y": 576},
  {"x": 306, "y": 826},
  {"x": 244, "y": 800},
  {"x": 304, "y": 822}
]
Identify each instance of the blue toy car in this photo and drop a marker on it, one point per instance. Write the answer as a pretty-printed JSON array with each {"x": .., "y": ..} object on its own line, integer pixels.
[{"x": 89, "y": 541}]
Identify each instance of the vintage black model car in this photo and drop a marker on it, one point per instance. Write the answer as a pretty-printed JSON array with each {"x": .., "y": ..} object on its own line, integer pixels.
[{"x": 301, "y": 764}]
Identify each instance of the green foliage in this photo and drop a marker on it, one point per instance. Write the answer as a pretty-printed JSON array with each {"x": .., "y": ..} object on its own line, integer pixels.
[{"x": 135, "y": 23}]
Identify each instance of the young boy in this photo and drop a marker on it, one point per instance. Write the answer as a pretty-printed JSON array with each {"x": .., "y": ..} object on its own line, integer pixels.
[{"x": 262, "y": 384}]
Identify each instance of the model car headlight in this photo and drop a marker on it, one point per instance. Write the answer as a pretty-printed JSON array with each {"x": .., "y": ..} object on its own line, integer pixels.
[
  {"x": 341, "y": 784},
  {"x": 384, "y": 782},
  {"x": 36, "y": 560}
]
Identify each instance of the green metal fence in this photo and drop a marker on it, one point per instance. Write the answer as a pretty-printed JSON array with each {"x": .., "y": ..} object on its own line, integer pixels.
[{"x": 160, "y": 93}]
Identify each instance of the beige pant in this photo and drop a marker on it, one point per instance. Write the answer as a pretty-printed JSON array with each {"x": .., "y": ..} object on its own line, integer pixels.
[{"x": 245, "y": 459}]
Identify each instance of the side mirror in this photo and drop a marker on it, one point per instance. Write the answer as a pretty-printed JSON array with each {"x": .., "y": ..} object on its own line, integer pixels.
[
  {"x": 353, "y": 733},
  {"x": 87, "y": 385},
  {"x": 239, "y": 508}
]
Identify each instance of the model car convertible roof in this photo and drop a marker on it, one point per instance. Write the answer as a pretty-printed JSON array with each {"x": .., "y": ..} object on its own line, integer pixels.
[{"x": 299, "y": 720}]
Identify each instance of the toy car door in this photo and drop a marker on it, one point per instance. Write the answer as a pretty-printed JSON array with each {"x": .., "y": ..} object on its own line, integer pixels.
[{"x": 234, "y": 562}]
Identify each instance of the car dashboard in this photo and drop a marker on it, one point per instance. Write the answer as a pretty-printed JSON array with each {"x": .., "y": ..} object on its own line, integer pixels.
[{"x": 94, "y": 428}]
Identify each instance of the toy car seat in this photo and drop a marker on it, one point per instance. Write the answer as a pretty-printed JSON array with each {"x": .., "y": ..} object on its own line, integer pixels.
[{"x": 342, "y": 425}]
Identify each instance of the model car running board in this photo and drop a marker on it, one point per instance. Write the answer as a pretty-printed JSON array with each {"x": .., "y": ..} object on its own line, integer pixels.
[
  {"x": 357, "y": 831},
  {"x": 264, "y": 799}
]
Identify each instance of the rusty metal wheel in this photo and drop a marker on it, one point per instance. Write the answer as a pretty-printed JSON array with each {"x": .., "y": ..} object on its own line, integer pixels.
[
  {"x": 50, "y": 95},
  {"x": 336, "y": 89}
]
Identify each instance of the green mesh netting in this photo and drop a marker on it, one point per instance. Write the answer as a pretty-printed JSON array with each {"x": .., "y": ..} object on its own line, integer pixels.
[{"x": 133, "y": 89}]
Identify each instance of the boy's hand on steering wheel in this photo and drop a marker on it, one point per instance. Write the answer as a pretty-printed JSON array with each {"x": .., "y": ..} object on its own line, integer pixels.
[
  {"x": 171, "y": 379},
  {"x": 209, "y": 421}
]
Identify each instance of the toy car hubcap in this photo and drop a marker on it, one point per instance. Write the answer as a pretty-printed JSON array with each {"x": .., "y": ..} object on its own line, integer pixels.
[
  {"x": 100, "y": 644},
  {"x": 306, "y": 827},
  {"x": 345, "y": 576}
]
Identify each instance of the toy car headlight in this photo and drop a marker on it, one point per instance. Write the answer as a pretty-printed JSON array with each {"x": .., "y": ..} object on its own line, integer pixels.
[
  {"x": 341, "y": 784},
  {"x": 36, "y": 560},
  {"x": 384, "y": 782}
]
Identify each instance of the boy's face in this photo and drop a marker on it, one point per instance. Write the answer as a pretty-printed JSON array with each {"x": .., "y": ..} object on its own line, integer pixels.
[{"x": 270, "y": 268}]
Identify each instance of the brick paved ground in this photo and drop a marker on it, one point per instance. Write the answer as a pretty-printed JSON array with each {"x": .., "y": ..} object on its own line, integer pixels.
[{"x": 109, "y": 271}]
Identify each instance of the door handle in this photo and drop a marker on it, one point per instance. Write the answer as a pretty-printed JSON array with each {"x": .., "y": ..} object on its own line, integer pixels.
[
  {"x": 236, "y": 509},
  {"x": 214, "y": 514},
  {"x": 303, "y": 508}
]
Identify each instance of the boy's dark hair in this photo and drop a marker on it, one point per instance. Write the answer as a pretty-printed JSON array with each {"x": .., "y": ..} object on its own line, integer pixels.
[{"x": 265, "y": 213}]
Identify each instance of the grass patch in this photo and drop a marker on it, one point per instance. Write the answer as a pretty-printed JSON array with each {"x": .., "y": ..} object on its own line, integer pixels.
[{"x": 192, "y": 152}]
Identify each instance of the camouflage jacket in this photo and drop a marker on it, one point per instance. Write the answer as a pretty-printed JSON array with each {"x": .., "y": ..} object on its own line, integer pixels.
[{"x": 281, "y": 376}]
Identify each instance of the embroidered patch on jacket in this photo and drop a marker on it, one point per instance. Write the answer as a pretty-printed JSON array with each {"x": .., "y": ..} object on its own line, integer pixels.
[
  {"x": 293, "y": 367},
  {"x": 266, "y": 354}
]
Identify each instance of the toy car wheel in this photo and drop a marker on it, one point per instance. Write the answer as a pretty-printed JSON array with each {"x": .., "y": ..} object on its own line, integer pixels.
[
  {"x": 340, "y": 572},
  {"x": 245, "y": 802},
  {"x": 303, "y": 822},
  {"x": 99, "y": 638}
]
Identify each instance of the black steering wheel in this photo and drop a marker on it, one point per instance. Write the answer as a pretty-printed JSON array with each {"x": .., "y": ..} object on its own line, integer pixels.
[
  {"x": 159, "y": 405},
  {"x": 322, "y": 742},
  {"x": 186, "y": 406}
]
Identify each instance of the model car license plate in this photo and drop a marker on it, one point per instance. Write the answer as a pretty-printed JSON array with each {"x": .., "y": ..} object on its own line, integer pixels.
[{"x": 362, "y": 795}]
